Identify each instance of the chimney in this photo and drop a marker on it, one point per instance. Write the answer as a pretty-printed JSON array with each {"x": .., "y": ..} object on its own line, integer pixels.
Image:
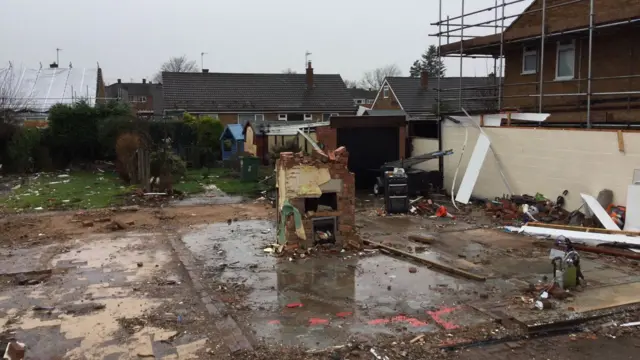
[
  {"x": 53, "y": 65},
  {"x": 144, "y": 81},
  {"x": 205, "y": 71},
  {"x": 119, "y": 81},
  {"x": 424, "y": 79},
  {"x": 309, "y": 76}
]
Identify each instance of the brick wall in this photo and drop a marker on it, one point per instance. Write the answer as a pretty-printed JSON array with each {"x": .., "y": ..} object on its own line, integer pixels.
[
  {"x": 390, "y": 103},
  {"x": 327, "y": 136},
  {"x": 336, "y": 164},
  {"x": 613, "y": 55}
]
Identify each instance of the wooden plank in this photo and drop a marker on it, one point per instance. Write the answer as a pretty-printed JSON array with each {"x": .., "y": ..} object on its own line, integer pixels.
[
  {"x": 620, "y": 141},
  {"x": 473, "y": 169},
  {"x": 600, "y": 212},
  {"x": 423, "y": 239},
  {"x": 435, "y": 264},
  {"x": 584, "y": 229},
  {"x": 607, "y": 297}
]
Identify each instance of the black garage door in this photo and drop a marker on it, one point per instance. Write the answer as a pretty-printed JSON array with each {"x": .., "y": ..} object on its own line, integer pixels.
[{"x": 369, "y": 148}]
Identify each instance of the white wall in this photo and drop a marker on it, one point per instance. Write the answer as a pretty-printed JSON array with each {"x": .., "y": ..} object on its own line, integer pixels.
[
  {"x": 547, "y": 161},
  {"x": 425, "y": 146}
]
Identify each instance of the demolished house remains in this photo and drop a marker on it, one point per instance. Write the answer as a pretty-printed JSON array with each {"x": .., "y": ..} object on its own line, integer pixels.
[{"x": 316, "y": 198}]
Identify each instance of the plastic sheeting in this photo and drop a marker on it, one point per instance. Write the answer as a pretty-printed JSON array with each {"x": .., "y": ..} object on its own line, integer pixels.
[{"x": 39, "y": 89}]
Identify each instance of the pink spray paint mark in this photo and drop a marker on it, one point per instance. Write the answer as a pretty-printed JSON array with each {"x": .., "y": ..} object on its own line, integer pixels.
[
  {"x": 378, "y": 322},
  {"x": 399, "y": 318},
  {"x": 274, "y": 322},
  {"x": 317, "y": 321},
  {"x": 294, "y": 305},
  {"x": 416, "y": 323},
  {"x": 344, "y": 314},
  {"x": 435, "y": 315}
]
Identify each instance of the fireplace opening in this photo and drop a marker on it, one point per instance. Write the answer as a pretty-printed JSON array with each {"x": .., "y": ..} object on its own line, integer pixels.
[
  {"x": 326, "y": 202},
  {"x": 324, "y": 230}
]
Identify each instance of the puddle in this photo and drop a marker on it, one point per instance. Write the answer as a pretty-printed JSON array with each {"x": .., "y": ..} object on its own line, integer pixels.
[
  {"x": 211, "y": 196},
  {"x": 341, "y": 294}
]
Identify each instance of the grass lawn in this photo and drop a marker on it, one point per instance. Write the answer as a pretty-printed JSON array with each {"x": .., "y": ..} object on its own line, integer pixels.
[
  {"x": 76, "y": 190},
  {"x": 88, "y": 190},
  {"x": 226, "y": 180}
]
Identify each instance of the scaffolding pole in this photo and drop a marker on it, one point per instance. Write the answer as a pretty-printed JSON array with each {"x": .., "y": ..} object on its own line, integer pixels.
[
  {"x": 591, "y": 16},
  {"x": 541, "y": 62},
  {"x": 456, "y": 27}
]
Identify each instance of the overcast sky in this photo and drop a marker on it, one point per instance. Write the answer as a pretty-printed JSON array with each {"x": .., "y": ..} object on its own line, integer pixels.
[{"x": 131, "y": 38}]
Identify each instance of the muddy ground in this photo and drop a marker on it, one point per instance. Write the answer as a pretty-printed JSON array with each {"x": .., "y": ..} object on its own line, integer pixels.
[{"x": 194, "y": 281}]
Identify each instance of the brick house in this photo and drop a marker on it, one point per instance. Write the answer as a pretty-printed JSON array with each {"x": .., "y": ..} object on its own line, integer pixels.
[
  {"x": 363, "y": 97},
  {"x": 417, "y": 98},
  {"x": 144, "y": 97},
  {"x": 564, "y": 67},
  {"x": 240, "y": 98}
]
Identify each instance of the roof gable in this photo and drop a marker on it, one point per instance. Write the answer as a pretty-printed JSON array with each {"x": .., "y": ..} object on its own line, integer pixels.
[
  {"x": 235, "y": 92},
  {"x": 568, "y": 17},
  {"x": 235, "y": 130}
]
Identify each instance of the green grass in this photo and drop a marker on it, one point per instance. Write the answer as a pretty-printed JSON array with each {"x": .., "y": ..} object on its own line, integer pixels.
[
  {"x": 87, "y": 190},
  {"x": 226, "y": 180},
  {"x": 79, "y": 190}
]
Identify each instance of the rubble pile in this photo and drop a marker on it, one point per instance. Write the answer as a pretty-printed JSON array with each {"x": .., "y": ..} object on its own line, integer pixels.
[{"x": 528, "y": 208}]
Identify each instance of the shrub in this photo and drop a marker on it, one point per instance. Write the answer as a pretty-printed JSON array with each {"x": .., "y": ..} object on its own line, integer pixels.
[{"x": 22, "y": 149}]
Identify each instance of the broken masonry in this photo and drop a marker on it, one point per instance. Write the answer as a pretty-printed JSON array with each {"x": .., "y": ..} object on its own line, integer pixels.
[{"x": 316, "y": 199}]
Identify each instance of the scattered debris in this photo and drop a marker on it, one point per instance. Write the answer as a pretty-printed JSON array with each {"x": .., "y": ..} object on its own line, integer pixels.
[{"x": 14, "y": 351}]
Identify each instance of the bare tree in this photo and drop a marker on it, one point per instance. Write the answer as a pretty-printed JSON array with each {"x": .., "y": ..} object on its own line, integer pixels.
[
  {"x": 350, "y": 84},
  {"x": 289, "y": 71},
  {"x": 176, "y": 64},
  {"x": 12, "y": 99},
  {"x": 375, "y": 78}
]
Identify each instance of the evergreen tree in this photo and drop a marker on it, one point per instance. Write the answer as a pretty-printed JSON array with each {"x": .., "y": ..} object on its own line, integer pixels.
[{"x": 430, "y": 63}]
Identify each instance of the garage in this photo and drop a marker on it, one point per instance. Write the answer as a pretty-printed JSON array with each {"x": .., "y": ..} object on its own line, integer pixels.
[{"x": 371, "y": 142}]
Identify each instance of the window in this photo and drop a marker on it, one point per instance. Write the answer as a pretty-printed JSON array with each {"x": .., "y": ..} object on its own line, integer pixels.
[
  {"x": 369, "y": 101},
  {"x": 282, "y": 117},
  {"x": 334, "y": 114},
  {"x": 259, "y": 117},
  {"x": 308, "y": 117},
  {"x": 359, "y": 101},
  {"x": 137, "y": 99},
  {"x": 529, "y": 60},
  {"x": 385, "y": 92},
  {"x": 565, "y": 60}
]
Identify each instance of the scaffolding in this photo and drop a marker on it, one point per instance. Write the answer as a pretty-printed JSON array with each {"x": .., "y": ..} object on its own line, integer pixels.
[{"x": 454, "y": 27}]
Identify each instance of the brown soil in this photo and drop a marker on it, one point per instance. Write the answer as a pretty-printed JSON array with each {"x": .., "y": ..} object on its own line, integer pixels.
[{"x": 40, "y": 229}]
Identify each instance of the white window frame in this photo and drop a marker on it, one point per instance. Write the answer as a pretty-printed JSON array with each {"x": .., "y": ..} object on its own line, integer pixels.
[
  {"x": 282, "y": 117},
  {"x": 307, "y": 117},
  {"x": 369, "y": 101},
  {"x": 529, "y": 51},
  {"x": 566, "y": 46},
  {"x": 334, "y": 114},
  {"x": 385, "y": 92},
  {"x": 360, "y": 101},
  {"x": 258, "y": 117}
]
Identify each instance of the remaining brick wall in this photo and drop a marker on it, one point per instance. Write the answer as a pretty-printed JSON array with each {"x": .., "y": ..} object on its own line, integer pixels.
[
  {"x": 336, "y": 162},
  {"x": 614, "y": 54},
  {"x": 328, "y": 137}
]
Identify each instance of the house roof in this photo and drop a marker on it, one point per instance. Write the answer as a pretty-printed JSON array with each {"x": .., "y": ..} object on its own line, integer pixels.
[
  {"x": 357, "y": 93},
  {"x": 39, "y": 89},
  {"x": 413, "y": 98},
  {"x": 385, "y": 112},
  {"x": 236, "y": 131},
  {"x": 235, "y": 92}
]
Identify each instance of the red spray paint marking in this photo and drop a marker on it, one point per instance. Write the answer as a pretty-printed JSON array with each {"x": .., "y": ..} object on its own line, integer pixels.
[
  {"x": 274, "y": 322},
  {"x": 294, "y": 305},
  {"x": 316, "y": 321},
  {"x": 435, "y": 315},
  {"x": 378, "y": 321},
  {"x": 416, "y": 323},
  {"x": 344, "y": 314}
]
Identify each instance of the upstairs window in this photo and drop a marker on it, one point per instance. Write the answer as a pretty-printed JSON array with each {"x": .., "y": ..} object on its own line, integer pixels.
[
  {"x": 385, "y": 92},
  {"x": 282, "y": 117},
  {"x": 529, "y": 60},
  {"x": 566, "y": 60},
  {"x": 308, "y": 117}
]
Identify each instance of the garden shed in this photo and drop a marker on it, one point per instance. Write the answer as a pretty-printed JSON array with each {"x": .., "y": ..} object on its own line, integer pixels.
[{"x": 232, "y": 141}]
